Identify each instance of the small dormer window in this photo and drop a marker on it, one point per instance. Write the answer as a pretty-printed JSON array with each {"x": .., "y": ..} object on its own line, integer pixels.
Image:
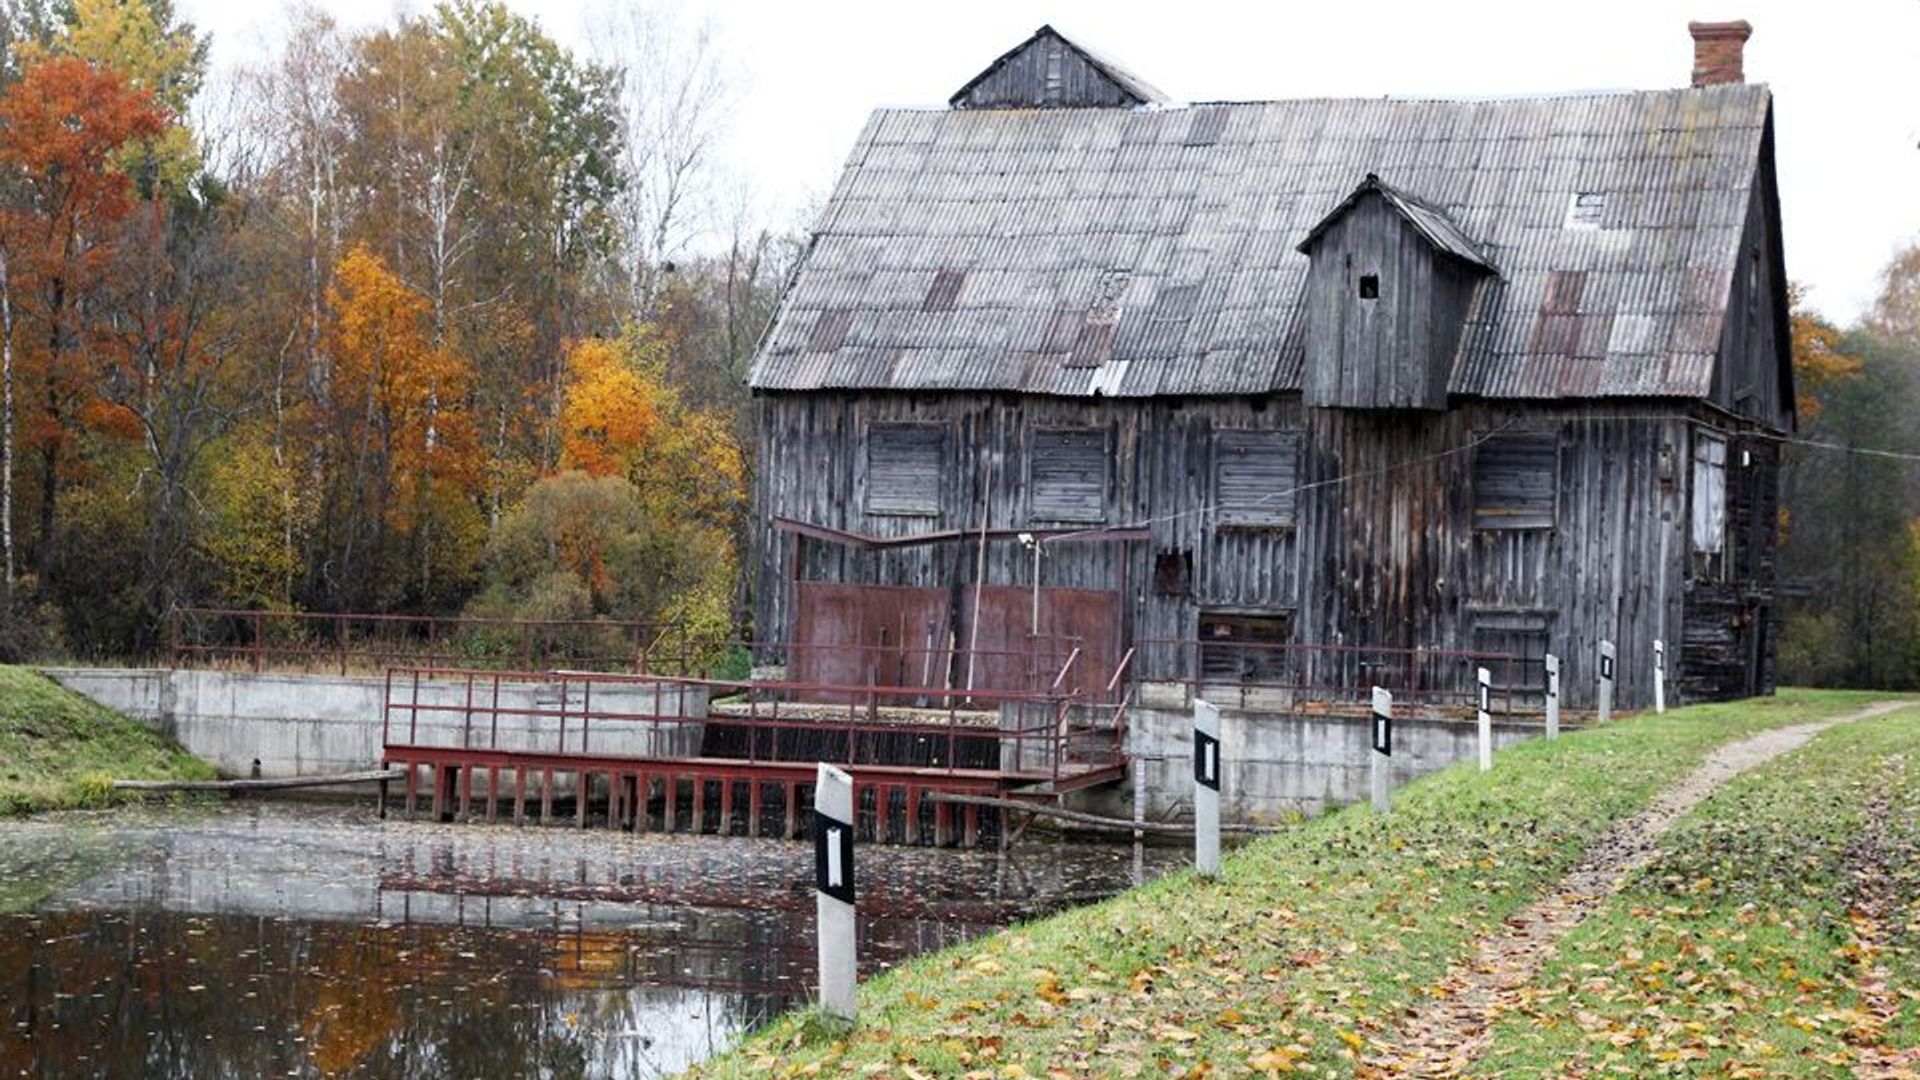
[
  {"x": 1586, "y": 209},
  {"x": 1369, "y": 286}
]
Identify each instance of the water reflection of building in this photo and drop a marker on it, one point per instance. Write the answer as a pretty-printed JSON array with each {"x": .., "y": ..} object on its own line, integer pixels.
[{"x": 285, "y": 940}]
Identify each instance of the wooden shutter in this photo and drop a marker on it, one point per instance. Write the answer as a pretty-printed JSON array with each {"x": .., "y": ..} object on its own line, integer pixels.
[
  {"x": 1067, "y": 476},
  {"x": 904, "y": 468},
  {"x": 1516, "y": 479},
  {"x": 1255, "y": 474},
  {"x": 1709, "y": 494}
]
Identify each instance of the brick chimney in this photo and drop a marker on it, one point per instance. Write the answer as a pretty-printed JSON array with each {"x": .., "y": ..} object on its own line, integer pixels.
[{"x": 1718, "y": 48}]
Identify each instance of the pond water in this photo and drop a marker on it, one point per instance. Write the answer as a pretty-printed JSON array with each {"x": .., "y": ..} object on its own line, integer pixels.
[{"x": 293, "y": 939}]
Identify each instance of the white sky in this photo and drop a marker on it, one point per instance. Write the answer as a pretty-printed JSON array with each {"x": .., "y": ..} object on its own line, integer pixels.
[{"x": 806, "y": 74}]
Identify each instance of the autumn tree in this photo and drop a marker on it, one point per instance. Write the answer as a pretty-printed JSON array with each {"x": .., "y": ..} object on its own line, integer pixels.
[
  {"x": 154, "y": 52},
  {"x": 1819, "y": 358},
  {"x": 610, "y": 413},
  {"x": 482, "y": 161},
  {"x": 63, "y": 124},
  {"x": 399, "y": 414},
  {"x": 1850, "y": 501}
]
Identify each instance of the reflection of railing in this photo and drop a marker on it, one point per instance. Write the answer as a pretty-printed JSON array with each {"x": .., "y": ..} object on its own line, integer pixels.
[{"x": 1284, "y": 676}]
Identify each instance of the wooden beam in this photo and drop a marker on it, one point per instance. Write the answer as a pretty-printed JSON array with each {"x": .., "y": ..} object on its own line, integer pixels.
[
  {"x": 368, "y": 777},
  {"x": 1092, "y": 821}
]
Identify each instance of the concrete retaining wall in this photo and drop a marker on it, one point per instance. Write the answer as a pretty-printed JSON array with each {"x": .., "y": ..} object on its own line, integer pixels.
[
  {"x": 1277, "y": 764},
  {"x": 296, "y": 725}
]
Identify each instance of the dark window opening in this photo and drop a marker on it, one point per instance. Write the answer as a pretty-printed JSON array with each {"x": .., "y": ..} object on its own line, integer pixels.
[
  {"x": 1369, "y": 286},
  {"x": 1173, "y": 573},
  {"x": 1516, "y": 482},
  {"x": 1244, "y": 649}
]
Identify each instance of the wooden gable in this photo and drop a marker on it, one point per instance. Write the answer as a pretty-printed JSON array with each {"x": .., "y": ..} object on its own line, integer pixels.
[{"x": 1047, "y": 71}]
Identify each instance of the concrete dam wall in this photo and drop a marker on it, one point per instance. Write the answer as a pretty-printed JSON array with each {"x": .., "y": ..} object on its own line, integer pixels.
[{"x": 294, "y": 725}]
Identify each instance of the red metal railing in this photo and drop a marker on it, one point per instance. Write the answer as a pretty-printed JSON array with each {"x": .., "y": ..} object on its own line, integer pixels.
[
  {"x": 344, "y": 641},
  {"x": 556, "y": 713},
  {"x": 260, "y": 640}
]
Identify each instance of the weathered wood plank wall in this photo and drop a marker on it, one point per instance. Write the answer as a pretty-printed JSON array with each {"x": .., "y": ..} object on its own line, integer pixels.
[{"x": 1382, "y": 550}]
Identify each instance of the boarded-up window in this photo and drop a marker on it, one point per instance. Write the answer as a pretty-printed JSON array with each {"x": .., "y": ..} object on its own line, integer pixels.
[
  {"x": 1515, "y": 481},
  {"x": 1709, "y": 494},
  {"x": 904, "y": 468},
  {"x": 1255, "y": 474},
  {"x": 1244, "y": 649},
  {"x": 1067, "y": 475}
]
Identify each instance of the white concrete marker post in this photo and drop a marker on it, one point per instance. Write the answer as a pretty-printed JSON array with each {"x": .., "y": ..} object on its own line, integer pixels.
[
  {"x": 833, "y": 884},
  {"x": 1206, "y": 789},
  {"x": 1382, "y": 747},
  {"x": 1485, "y": 719},
  {"x": 1553, "y": 696},
  {"x": 1606, "y": 680},
  {"x": 1659, "y": 676}
]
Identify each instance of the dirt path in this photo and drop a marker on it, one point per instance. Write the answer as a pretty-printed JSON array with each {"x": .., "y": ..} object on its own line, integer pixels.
[
  {"x": 1876, "y": 902},
  {"x": 1443, "y": 1036}
]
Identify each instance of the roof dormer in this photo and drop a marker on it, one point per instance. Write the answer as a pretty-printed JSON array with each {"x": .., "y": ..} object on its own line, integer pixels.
[
  {"x": 1389, "y": 287},
  {"x": 1048, "y": 71}
]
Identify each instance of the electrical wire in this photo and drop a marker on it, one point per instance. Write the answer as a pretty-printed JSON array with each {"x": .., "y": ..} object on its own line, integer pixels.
[{"x": 1209, "y": 507}]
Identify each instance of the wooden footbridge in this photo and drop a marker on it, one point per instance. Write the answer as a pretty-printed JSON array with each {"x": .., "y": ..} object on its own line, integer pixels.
[{"x": 646, "y": 753}]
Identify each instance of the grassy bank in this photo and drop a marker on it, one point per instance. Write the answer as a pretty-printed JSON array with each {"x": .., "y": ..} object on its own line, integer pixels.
[
  {"x": 1736, "y": 953},
  {"x": 1300, "y": 955},
  {"x": 59, "y": 750}
]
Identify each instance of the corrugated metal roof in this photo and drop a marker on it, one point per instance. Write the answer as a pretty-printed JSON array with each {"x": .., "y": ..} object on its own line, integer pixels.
[{"x": 1181, "y": 253}]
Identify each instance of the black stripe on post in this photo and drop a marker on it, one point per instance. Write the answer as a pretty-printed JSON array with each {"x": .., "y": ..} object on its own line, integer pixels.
[
  {"x": 1206, "y": 760},
  {"x": 1382, "y": 733},
  {"x": 833, "y": 857}
]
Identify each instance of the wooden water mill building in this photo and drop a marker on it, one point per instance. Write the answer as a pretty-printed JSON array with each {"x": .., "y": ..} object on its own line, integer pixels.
[{"x": 1311, "y": 393}]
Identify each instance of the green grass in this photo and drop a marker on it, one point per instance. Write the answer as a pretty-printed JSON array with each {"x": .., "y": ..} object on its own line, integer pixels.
[
  {"x": 58, "y": 750},
  {"x": 1731, "y": 954},
  {"x": 1308, "y": 947}
]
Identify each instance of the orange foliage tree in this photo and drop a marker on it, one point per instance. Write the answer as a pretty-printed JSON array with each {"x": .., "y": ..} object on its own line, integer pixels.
[
  {"x": 62, "y": 125},
  {"x": 1818, "y": 359},
  {"x": 609, "y": 413},
  {"x": 399, "y": 414}
]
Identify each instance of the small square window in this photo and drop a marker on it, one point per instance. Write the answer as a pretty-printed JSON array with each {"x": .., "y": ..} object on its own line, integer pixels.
[
  {"x": 1586, "y": 209},
  {"x": 1369, "y": 286}
]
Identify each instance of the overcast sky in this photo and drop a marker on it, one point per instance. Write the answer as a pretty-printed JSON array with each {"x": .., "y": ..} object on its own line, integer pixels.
[{"x": 805, "y": 75}]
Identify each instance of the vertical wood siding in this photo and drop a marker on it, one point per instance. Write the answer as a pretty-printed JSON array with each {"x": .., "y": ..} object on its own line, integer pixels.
[
  {"x": 1393, "y": 351},
  {"x": 1382, "y": 548}
]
